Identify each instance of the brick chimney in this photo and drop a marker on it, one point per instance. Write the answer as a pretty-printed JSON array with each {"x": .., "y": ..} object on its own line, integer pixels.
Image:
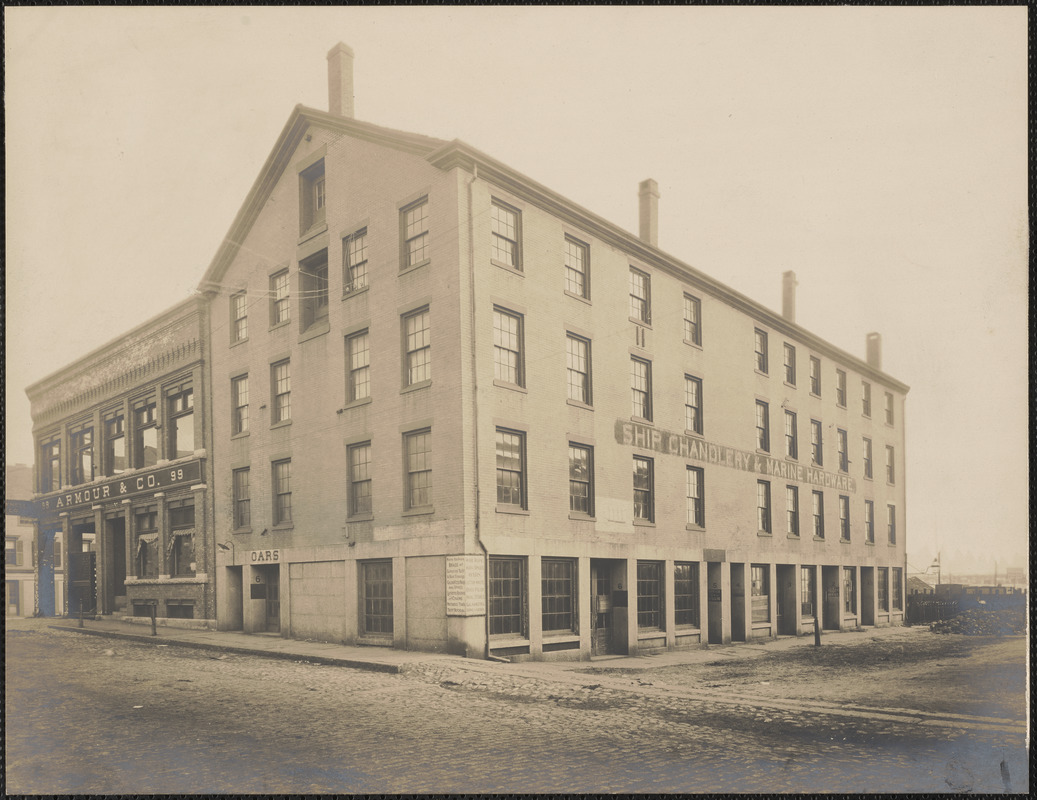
[
  {"x": 875, "y": 350},
  {"x": 788, "y": 295},
  {"x": 340, "y": 80},
  {"x": 648, "y": 192}
]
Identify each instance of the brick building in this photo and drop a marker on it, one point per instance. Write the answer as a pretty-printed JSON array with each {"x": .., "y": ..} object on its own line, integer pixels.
[
  {"x": 19, "y": 556},
  {"x": 122, "y": 474},
  {"x": 453, "y": 410}
]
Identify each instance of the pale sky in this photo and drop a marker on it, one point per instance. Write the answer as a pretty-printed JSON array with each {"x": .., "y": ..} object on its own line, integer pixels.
[{"x": 878, "y": 152}]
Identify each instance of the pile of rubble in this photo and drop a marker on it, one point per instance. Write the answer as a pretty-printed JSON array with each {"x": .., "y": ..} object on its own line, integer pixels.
[{"x": 981, "y": 622}]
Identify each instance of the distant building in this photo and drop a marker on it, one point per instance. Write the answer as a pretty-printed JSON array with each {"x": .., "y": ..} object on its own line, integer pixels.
[
  {"x": 19, "y": 560},
  {"x": 916, "y": 585}
]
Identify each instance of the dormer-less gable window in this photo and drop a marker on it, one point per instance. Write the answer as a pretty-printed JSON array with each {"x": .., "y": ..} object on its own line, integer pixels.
[{"x": 312, "y": 197}]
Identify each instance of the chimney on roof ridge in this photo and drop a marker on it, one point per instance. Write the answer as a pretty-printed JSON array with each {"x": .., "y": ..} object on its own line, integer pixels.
[
  {"x": 788, "y": 295},
  {"x": 340, "y": 80},
  {"x": 648, "y": 193},
  {"x": 875, "y": 350}
]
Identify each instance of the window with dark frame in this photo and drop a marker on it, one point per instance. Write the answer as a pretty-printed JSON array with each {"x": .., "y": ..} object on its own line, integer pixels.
[
  {"x": 281, "y": 472},
  {"x": 581, "y": 479},
  {"x": 692, "y": 320},
  {"x": 763, "y": 506},
  {"x": 760, "y": 592},
  {"x": 807, "y": 590},
  {"x": 146, "y": 556},
  {"x": 763, "y": 427},
  {"x": 890, "y": 465},
  {"x": 359, "y": 458},
  {"x": 792, "y": 510},
  {"x": 312, "y": 197},
  {"x": 281, "y": 384},
  {"x": 358, "y": 375},
  {"x": 644, "y": 483},
  {"x": 577, "y": 268},
  {"x": 239, "y": 404},
  {"x": 417, "y": 347},
  {"x": 640, "y": 296},
  {"x": 867, "y": 457},
  {"x": 693, "y": 404},
  {"x": 850, "y": 590},
  {"x": 790, "y": 364},
  {"x": 280, "y": 301},
  {"x": 840, "y": 388},
  {"x": 81, "y": 441},
  {"x": 414, "y": 234},
  {"x": 558, "y": 595},
  {"x": 242, "y": 498},
  {"x": 815, "y": 376},
  {"x": 354, "y": 258},
  {"x": 649, "y": 595},
  {"x": 180, "y": 543},
  {"x": 760, "y": 350},
  {"x": 641, "y": 388},
  {"x": 816, "y": 443},
  {"x": 377, "y": 617},
  {"x": 578, "y": 368},
  {"x": 507, "y": 347},
  {"x": 696, "y": 496},
  {"x": 882, "y": 588},
  {"x": 897, "y": 576},
  {"x": 180, "y": 402},
  {"x": 507, "y": 595},
  {"x": 313, "y": 288},
  {"x": 844, "y": 518},
  {"x": 818, "y": 499},
  {"x": 791, "y": 436},
  {"x": 511, "y": 474},
  {"x": 891, "y": 523},
  {"x": 889, "y": 408},
  {"x": 145, "y": 433},
  {"x": 50, "y": 465},
  {"x": 866, "y": 398},
  {"x": 686, "y": 594},
  {"x": 869, "y": 521},
  {"x": 418, "y": 449},
  {"x": 238, "y": 317},
  {"x": 506, "y": 235},
  {"x": 843, "y": 450}
]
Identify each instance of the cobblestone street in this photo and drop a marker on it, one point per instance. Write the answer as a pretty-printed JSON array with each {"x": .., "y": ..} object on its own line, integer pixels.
[{"x": 89, "y": 714}]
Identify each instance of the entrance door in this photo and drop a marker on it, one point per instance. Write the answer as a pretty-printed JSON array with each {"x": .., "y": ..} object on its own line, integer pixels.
[
  {"x": 715, "y": 602},
  {"x": 785, "y": 594},
  {"x": 46, "y": 576},
  {"x": 273, "y": 599},
  {"x": 831, "y": 612},
  {"x": 115, "y": 567},
  {"x": 738, "y": 602},
  {"x": 601, "y": 609},
  {"x": 867, "y": 595}
]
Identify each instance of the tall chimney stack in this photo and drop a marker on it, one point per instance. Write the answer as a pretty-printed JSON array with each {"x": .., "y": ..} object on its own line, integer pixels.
[
  {"x": 340, "y": 80},
  {"x": 788, "y": 295},
  {"x": 875, "y": 350},
  {"x": 648, "y": 193}
]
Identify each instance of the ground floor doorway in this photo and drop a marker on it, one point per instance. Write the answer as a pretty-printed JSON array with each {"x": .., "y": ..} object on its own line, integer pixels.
[
  {"x": 608, "y": 607},
  {"x": 785, "y": 594},
  {"x": 267, "y": 587},
  {"x": 831, "y": 612}
]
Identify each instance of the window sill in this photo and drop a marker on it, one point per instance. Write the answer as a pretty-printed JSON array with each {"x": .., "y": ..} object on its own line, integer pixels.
[
  {"x": 869, "y": 544},
  {"x": 363, "y": 401},
  {"x": 503, "y": 509},
  {"x": 794, "y": 459},
  {"x": 819, "y": 538},
  {"x": 650, "y": 633},
  {"x": 284, "y": 423},
  {"x": 282, "y": 526},
  {"x": 508, "y": 640},
  {"x": 278, "y": 325},
  {"x": 868, "y": 478},
  {"x": 236, "y": 342},
  {"x": 366, "y": 517},
  {"x": 640, "y": 322},
  {"x": 765, "y": 534},
  {"x": 763, "y": 452},
  {"x": 761, "y": 373},
  {"x": 815, "y": 394},
  {"x": 696, "y": 434},
  {"x": 316, "y": 229},
  {"x": 790, "y": 385},
  {"x": 417, "y": 512},
  {"x": 512, "y": 386},
  {"x": 696, "y": 345},
  {"x": 560, "y": 638},
  {"x": 517, "y": 271},
  {"x": 415, "y": 386},
  {"x": 841, "y": 405},
  {"x": 240, "y": 435},
  {"x": 575, "y": 296},
  {"x": 412, "y": 267},
  {"x": 644, "y": 523},
  {"x": 579, "y": 404},
  {"x": 642, "y": 420},
  {"x": 355, "y": 292},
  {"x": 316, "y": 329},
  {"x": 691, "y": 526},
  {"x": 374, "y": 641},
  {"x": 891, "y": 544},
  {"x": 866, "y": 416},
  {"x": 581, "y": 517},
  {"x": 241, "y": 531},
  {"x": 843, "y": 541},
  {"x": 793, "y": 536}
]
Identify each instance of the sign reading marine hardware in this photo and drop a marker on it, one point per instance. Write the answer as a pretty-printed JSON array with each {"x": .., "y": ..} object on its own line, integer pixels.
[
  {"x": 678, "y": 444},
  {"x": 118, "y": 488}
]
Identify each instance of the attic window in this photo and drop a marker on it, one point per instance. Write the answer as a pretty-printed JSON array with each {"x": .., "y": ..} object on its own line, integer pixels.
[{"x": 311, "y": 197}]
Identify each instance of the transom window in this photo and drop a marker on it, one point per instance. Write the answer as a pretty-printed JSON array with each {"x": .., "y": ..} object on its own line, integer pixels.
[
  {"x": 504, "y": 227},
  {"x": 414, "y": 224},
  {"x": 577, "y": 268},
  {"x": 507, "y": 347},
  {"x": 640, "y": 296}
]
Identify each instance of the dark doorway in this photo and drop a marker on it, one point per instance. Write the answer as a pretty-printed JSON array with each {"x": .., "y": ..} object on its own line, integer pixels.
[
  {"x": 608, "y": 608},
  {"x": 830, "y": 609},
  {"x": 82, "y": 570},
  {"x": 785, "y": 594},
  {"x": 115, "y": 566},
  {"x": 46, "y": 574},
  {"x": 715, "y": 602},
  {"x": 738, "y": 602},
  {"x": 867, "y": 595},
  {"x": 273, "y": 598}
]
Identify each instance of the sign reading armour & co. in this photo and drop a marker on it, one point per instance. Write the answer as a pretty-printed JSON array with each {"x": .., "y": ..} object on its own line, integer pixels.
[{"x": 120, "y": 487}]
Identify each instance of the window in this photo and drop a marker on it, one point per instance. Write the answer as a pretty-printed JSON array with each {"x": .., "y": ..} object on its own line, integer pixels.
[
  {"x": 414, "y": 232},
  {"x": 180, "y": 609},
  {"x": 507, "y": 347},
  {"x": 354, "y": 262},
  {"x": 686, "y": 594},
  {"x": 239, "y": 405},
  {"x": 869, "y": 521},
  {"x": 146, "y": 529},
  {"x": 891, "y": 523},
  {"x": 760, "y": 592},
  {"x": 791, "y": 438},
  {"x": 50, "y": 465},
  {"x": 377, "y": 618},
  {"x": 790, "y": 364},
  {"x": 866, "y": 398},
  {"x": 644, "y": 481},
  {"x": 819, "y": 514},
  {"x": 558, "y": 595},
  {"x": 641, "y": 388},
  {"x": 418, "y": 347},
  {"x": 81, "y": 440},
  {"x": 763, "y": 506},
  {"x": 695, "y": 482},
  {"x": 242, "y": 499},
  {"x": 578, "y": 368},
  {"x": 281, "y": 383},
  {"x": 13, "y": 555},
  {"x": 890, "y": 469},
  {"x": 418, "y": 447},
  {"x": 815, "y": 376},
  {"x": 849, "y": 590},
  {"x": 114, "y": 443},
  {"x": 577, "y": 268},
  {"x": 581, "y": 479},
  {"x": 760, "y": 344},
  {"x": 238, "y": 317},
  {"x": 841, "y": 444},
  {"x": 692, "y": 319},
  {"x": 640, "y": 296},
  {"x": 889, "y": 408},
  {"x": 505, "y": 231},
  {"x": 840, "y": 388},
  {"x": 511, "y": 477},
  {"x": 280, "y": 308},
  {"x": 313, "y": 289},
  {"x": 867, "y": 457},
  {"x": 763, "y": 426},
  {"x": 358, "y": 368},
  {"x": 693, "y": 404},
  {"x": 180, "y": 400},
  {"x": 281, "y": 472},
  {"x": 898, "y": 588},
  {"x": 882, "y": 587},
  {"x": 844, "y": 518},
  {"x": 816, "y": 444},
  {"x": 359, "y": 458},
  {"x": 57, "y": 554},
  {"x": 507, "y": 593},
  {"x": 180, "y": 542},
  {"x": 311, "y": 196},
  {"x": 807, "y": 584},
  {"x": 792, "y": 510},
  {"x": 649, "y": 595},
  {"x": 145, "y": 434}
]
